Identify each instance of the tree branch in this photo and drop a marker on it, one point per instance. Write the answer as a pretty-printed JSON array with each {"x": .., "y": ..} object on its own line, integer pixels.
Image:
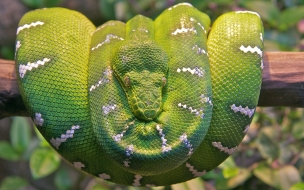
[
  {"x": 283, "y": 83},
  {"x": 10, "y": 99},
  {"x": 283, "y": 79}
]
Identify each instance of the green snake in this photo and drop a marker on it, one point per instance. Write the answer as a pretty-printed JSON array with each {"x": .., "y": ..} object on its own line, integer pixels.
[{"x": 146, "y": 103}]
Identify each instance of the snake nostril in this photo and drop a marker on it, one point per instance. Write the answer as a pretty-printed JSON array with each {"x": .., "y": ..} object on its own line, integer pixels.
[{"x": 148, "y": 102}]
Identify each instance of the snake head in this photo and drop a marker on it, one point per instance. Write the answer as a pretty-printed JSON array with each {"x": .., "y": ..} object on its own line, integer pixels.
[{"x": 142, "y": 72}]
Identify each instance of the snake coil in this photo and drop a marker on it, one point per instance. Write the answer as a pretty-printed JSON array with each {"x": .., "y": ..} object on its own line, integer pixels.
[{"x": 145, "y": 103}]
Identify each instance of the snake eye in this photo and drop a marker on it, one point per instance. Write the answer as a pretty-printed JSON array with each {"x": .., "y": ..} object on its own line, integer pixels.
[
  {"x": 164, "y": 80},
  {"x": 127, "y": 81}
]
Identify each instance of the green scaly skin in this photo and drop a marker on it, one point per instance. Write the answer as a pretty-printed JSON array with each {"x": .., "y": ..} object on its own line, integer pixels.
[{"x": 145, "y": 103}]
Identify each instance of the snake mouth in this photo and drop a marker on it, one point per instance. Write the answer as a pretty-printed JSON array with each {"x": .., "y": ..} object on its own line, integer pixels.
[
  {"x": 150, "y": 114},
  {"x": 147, "y": 113}
]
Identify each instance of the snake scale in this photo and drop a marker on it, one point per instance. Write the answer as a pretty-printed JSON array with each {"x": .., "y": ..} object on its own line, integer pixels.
[{"x": 142, "y": 103}]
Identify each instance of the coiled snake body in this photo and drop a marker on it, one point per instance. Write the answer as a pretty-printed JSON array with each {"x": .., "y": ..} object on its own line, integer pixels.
[{"x": 145, "y": 103}]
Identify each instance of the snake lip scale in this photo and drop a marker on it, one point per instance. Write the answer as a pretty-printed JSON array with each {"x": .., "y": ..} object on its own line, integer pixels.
[{"x": 146, "y": 102}]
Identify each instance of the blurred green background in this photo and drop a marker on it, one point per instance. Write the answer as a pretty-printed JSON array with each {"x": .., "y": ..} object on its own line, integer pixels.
[{"x": 271, "y": 156}]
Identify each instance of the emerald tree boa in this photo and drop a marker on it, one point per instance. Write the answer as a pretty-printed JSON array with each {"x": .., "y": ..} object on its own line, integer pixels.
[{"x": 145, "y": 103}]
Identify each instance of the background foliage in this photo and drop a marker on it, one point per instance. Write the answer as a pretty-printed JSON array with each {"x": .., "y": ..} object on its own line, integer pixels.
[{"x": 271, "y": 155}]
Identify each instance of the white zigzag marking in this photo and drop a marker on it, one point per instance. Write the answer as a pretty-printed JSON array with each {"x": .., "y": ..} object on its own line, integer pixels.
[
  {"x": 197, "y": 112},
  {"x": 126, "y": 162},
  {"x": 33, "y": 24},
  {"x": 108, "y": 108},
  {"x": 38, "y": 119},
  {"x": 194, "y": 171},
  {"x": 129, "y": 152},
  {"x": 262, "y": 63},
  {"x": 79, "y": 165},
  {"x": 192, "y": 19},
  {"x": 252, "y": 50},
  {"x": 246, "y": 129},
  {"x": 104, "y": 79},
  {"x": 104, "y": 25},
  {"x": 199, "y": 50},
  {"x": 18, "y": 45},
  {"x": 250, "y": 12},
  {"x": 224, "y": 149},
  {"x": 69, "y": 134},
  {"x": 104, "y": 176},
  {"x": 165, "y": 146},
  {"x": 29, "y": 66},
  {"x": 206, "y": 99},
  {"x": 141, "y": 29},
  {"x": 184, "y": 30},
  {"x": 107, "y": 40},
  {"x": 196, "y": 71},
  {"x": 186, "y": 4},
  {"x": 136, "y": 180},
  {"x": 117, "y": 137},
  {"x": 245, "y": 111},
  {"x": 186, "y": 142}
]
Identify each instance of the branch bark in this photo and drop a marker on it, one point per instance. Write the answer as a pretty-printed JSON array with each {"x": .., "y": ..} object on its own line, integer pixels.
[
  {"x": 283, "y": 83},
  {"x": 11, "y": 103},
  {"x": 283, "y": 79}
]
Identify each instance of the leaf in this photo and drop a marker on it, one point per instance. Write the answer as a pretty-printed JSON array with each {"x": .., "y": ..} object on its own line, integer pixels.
[
  {"x": 287, "y": 176},
  {"x": 7, "y": 52},
  {"x": 230, "y": 172},
  {"x": 270, "y": 45},
  {"x": 240, "y": 178},
  {"x": 222, "y": 2},
  {"x": 121, "y": 10},
  {"x": 196, "y": 183},
  {"x": 287, "y": 39},
  {"x": 106, "y": 8},
  {"x": 13, "y": 183},
  {"x": 43, "y": 142},
  {"x": 63, "y": 180},
  {"x": 20, "y": 134},
  {"x": 235, "y": 181},
  {"x": 228, "y": 163},
  {"x": 297, "y": 186},
  {"x": 297, "y": 130},
  {"x": 266, "y": 143},
  {"x": 213, "y": 174},
  {"x": 161, "y": 188},
  {"x": 100, "y": 184},
  {"x": 98, "y": 187},
  {"x": 265, "y": 174},
  {"x": 282, "y": 178},
  {"x": 229, "y": 168},
  {"x": 179, "y": 186},
  {"x": 33, "y": 3},
  {"x": 30, "y": 149},
  {"x": 290, "y": 17},
  {"x": 41, "y": 3},
  {"x": 286, "y": 153},
  {"x": 51, "y": 3},
  {"x": 43, "y": 162},
  {"x": 7, "y": 152},
  {"x": 266, "y": 9}
]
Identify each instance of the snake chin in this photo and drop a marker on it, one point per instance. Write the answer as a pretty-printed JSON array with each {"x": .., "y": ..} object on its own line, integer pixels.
[{"x": 146, "y": 104}]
